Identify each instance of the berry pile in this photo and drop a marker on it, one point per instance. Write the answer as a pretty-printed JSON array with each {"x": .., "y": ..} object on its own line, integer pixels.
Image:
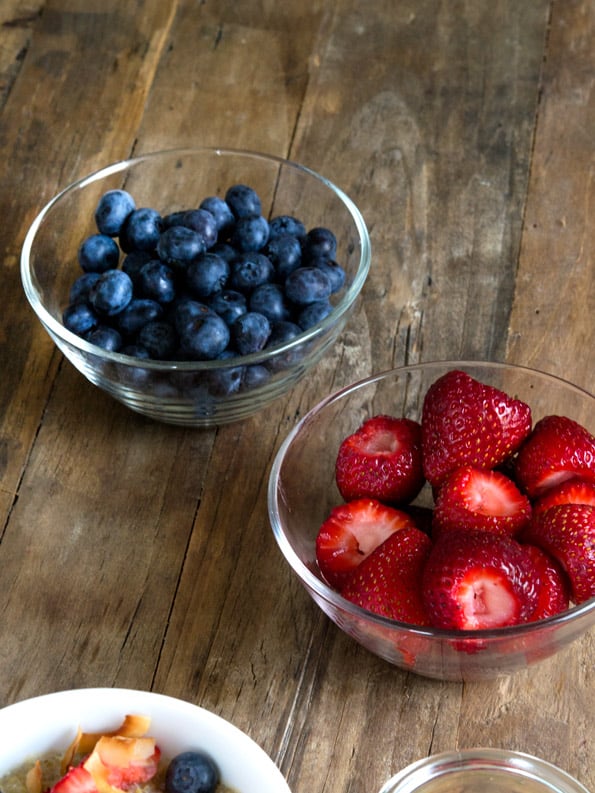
[
  {"x": 207, "y": 283},
  {"x": 511, "y": 536}
]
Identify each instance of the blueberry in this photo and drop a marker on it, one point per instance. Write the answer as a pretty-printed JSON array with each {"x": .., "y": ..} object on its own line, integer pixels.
[
  {"x": 250, "y": 270},
  {"x": 285, "y": 252},
  {"x": 98, "y": 253},
  {"x": 207, "y": 275},
  {"x": 112, "y": 210},
  {"x": 205, "y": 337},
  {"x": 219, "y": 209},
  {"x": 135, "y": 351},
  {"x": 225, "y": 250},
  {"x": 320, "y": 243},
  {"x": 255, "y": 376},
  {"x": 307, "y": 285},
  {"x": 314, "y": 313},
  {"x": 137, "y": 313},
  {"x": 282, "y": 332},
  {"x": 287, "y": 224},
  {"x": 250, "y": 332},
  {"x": 134, "y": 262},
  {"x": 223, "y": 382},
  {"x": 79, "y": 318},
  {"x": 204, "y": 222},
  {"x": 243, "y": 201},
  {"x": 334, "y": 271},
  {"x": 156, "y": 281},
  {"x": 269, "y": 299},
  {"x": 187, "y": 310},
  {"x": 79, "y": 291},
  {"x": 173, "y": 219},
  {"x": 105, "y": 337},
  {"x": 250, "y": 234},
  {"x": 229, "y": 304},
  {"x": 141, "y": 230},
  {"x": 111, "y": 293},
  {"x": 192, "y": 772},
  {"x": 179, "y": 245},
  {"x": 158, "y": 338}
]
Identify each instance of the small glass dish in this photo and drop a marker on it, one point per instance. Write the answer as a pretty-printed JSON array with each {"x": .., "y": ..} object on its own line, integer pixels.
[{"x": 489, "y": 770}]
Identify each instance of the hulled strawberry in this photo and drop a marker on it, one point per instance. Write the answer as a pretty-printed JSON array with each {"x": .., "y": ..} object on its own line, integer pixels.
[
  {"x": 558, "y": 449},
  {"x": 382, "y": 460},
  {"x": 482, "y": 500},
  {"x": 573, "y": 491},
  {"x": 479, "y": 580},
  {"x": 567, "y": 532},
  {"x": 465, "y": 422},
  {"x": 388, "y": 581},
  {"x": 554, "y": 588},
  {"x": 350, "y": 534}
]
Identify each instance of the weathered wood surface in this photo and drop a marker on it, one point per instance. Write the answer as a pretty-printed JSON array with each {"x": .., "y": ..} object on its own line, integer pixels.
[{"x": 464, "y": 132}]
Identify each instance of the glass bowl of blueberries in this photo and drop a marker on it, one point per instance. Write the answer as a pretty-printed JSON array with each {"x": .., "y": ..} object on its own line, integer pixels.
[{"x": 196, "y": 285}]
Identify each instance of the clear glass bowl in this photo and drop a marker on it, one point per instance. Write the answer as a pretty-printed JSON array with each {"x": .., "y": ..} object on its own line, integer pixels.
[
  {"x": 488, "y": 770},
  {"x": 302, "y": 490},
  {"x": 188, "y": 393}
]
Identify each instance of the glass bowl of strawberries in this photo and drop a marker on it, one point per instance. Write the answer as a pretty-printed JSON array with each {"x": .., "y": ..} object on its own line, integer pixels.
[{"x": 443, "y": 515}]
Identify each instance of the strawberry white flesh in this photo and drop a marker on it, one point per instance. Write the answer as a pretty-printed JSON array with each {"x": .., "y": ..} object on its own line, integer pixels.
[{"x": 486, "y": 601}]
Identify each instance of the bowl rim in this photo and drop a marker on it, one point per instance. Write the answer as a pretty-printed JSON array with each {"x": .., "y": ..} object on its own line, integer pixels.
[
  {"x": 325, "y": 592},
  {"x": 57, "y": 329}
]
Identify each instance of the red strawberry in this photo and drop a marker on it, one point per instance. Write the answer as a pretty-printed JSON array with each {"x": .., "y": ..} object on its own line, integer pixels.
[
  {"x": 567, "y": 532},
  {"x": 475, "y": 498},
  {"x": 554, "y": 590},
  {"x": 350, "y": 534},
  {"x": 76, "y": 780},
  {"x": 558, "y": 449},
  {"x": 573, "y": 491},
  {"x": 388, "y": 581},
  {"x": 118, "y": 763},
  {"x": 478, "y": 579},
  {"x": 465, "y": 422},
  {"x": 381, "y": 460}
]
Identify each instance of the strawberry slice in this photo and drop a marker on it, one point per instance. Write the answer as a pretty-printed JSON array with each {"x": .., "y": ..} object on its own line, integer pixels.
[
  {"x": 350, "y": 534},
  {"x": 388, "y": 581},
  {"x": 481, "y": 500},
  {"x": 558, "y": 449},
  {"x": 465, "y": 422},
  {"x": 381, "y": 460},
  {"x": 567, "y": 532},
  {"x": 76, "y": 780},
  {"x": 118, "y": 763},
  {"x": 554, "y": 590},
  {"x": 476, "y": 580},
  {"x": 573, "y": 491}
]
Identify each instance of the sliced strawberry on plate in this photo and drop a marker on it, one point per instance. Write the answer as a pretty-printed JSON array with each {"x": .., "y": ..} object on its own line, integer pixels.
[
  {"x": 465, "y": 422},
  {"x": 573, "y": 491},
  {"x": 382, "y": 460},
  {"x": 76, "y": 780},
  {"x": 350, "y": 534},
  {"x": 388, "y": 581},
  {"x": 482, "y": 500},
  {"x": 567, "y": 532},
  {"x": 554, "y": 589},
  {"x": 558, "y": 449},
  {"x": 479, "y": 580}
]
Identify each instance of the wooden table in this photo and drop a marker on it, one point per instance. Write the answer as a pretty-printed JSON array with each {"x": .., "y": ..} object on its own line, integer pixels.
[{"x": 132, "y": 553}]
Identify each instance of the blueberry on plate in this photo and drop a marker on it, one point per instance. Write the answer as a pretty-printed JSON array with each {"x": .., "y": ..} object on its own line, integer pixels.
[
  {"x": 191, "y": 772},
  {"x": 141, "y": 230},
  {"x": 98, "y": 253},
  {"x": 112, "y": 210},
  {"x": 307, "y": 285},
  {"x": 250, "y": 332},
  {"x": 111, "y": 293},
  {"x": 243, "y": 201}
]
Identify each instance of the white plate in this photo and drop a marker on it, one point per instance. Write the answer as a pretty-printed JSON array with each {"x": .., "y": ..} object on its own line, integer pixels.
[{"x": 34, "y": 727}]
